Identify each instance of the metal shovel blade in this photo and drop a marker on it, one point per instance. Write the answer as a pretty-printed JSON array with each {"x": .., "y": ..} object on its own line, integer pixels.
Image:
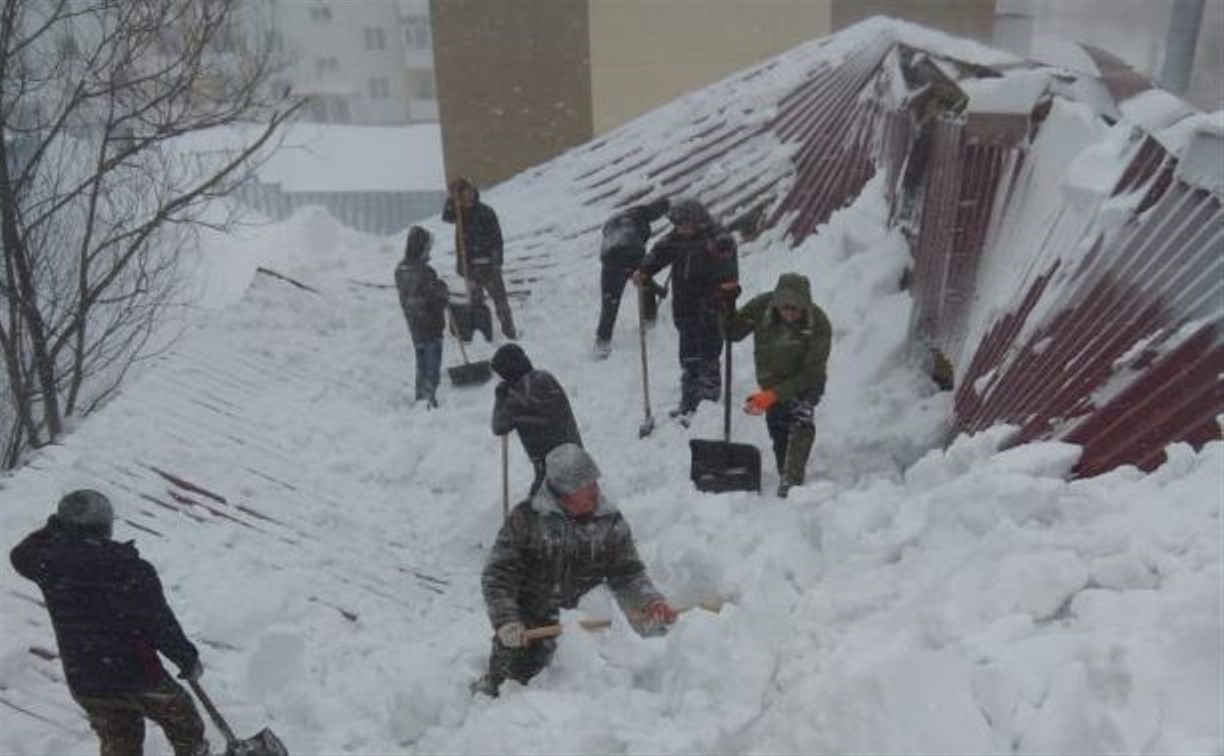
[
  {"x": 263, "y": 744},
  {"x": 646, "y": 428},
  {"x": 470, "y": 374},
  {"x": 720, "y": 466}
]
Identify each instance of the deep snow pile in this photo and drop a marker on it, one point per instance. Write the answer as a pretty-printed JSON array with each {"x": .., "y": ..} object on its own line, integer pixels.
[{"x": 904, "y": 600}]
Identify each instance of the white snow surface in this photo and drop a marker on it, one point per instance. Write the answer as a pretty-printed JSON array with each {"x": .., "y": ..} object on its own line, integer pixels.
[{"x": 908, "y": 599}]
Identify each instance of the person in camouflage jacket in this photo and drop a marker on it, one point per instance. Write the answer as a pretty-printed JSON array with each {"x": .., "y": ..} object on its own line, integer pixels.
[
  {"x": 552, "y": 549},
  {"x": 111, "y": 620},
  {"x": 424, "y": 299},
  {"x": 792, "y": 338}
]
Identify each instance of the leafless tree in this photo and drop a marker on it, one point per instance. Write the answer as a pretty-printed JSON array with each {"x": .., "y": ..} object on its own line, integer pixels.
[{"x": 97, "y": 197}]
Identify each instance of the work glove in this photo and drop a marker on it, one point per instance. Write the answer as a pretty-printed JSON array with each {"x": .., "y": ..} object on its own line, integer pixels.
[
  {"x": 760, "y": 402},
  {"x": 660, "y": 612},
  {"x": 193, "y": 673},
  {"x": 639, "y": 278},
  {"x": 510, "y": 635}
]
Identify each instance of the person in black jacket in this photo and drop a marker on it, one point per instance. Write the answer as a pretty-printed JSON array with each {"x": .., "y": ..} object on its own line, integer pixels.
[
  {"x": 111, "y": 619},
  {"x": 624, "y": 245},
  {"x": 703, "y": 261},
  {"x": 424, "y": 298},
  {"x": 478, "y": 249},
  {"x": 533, "y": 403},
  {"x": 552, "y": 549}
]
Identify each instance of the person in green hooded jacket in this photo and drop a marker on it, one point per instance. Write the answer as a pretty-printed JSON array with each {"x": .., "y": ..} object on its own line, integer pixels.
[{"x": 792, "y": 337}]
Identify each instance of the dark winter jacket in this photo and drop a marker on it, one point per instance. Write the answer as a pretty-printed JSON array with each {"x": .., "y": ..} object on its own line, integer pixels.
[
  {"x": 545, "y": 560},
  {"x": 790, "y": 357},
  {"x": 535, "y": 405},
  {"x": 423, "y": 298},
  {"x": 700, "y": 264},
  {"x": 626, "y": 233},
  {"x": 479, "y": 235},
  {"x": 107, "y": 607}
]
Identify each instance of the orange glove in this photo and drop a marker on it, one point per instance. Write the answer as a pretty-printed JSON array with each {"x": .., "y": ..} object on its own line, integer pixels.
[
  {"x": 761, "y": 401},
  {"x": 660, "y": 612}
]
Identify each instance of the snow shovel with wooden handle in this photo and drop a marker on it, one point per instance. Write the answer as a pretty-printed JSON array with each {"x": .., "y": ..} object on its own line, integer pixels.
[
  {"x": 719, "y": 466},
  {"x": 264, "y": 743},
  {"x": 593, "y": 624},
  {"x": 469, "y": 373},
  {"x": 648, "y": 423}
]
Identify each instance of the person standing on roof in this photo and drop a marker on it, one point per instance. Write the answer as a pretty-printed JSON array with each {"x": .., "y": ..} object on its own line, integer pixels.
[
  {"x": 111, "y": 620},
  {"x": 551, "y": 550},
  {"x": 478, "y": 249},
  {"x": 424, "y": 298},
  {"x": 624, "y": 245},
  {"x": 533, "y": 403},
  {"x": 791, "y": 348},
  {"x": 702, "y": 256}
]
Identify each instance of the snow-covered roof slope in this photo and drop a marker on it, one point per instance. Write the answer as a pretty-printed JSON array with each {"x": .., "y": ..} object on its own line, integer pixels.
[{"x": 321, "y": 538}]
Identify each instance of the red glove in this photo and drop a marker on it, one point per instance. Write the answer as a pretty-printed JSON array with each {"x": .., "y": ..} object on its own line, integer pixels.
[
  {"x": 761, "y": 401},
  {"x": 661, "y": 613}
]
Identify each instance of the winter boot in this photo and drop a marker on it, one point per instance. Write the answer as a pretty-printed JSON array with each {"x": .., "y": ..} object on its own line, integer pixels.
[
  {"x": 484, "y": 685},
  {"x": 683, "y": 414},
  {"x": 603, "y": 348},
  {"x": 798, "y": 448}
]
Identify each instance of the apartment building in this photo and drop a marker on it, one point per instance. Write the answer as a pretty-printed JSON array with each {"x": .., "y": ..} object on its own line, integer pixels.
[{"x": 366, "y": 62}]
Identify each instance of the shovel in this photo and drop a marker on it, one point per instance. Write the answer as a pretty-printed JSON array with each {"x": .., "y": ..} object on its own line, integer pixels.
[
  {"x": 469, "y": 373},
  {"x": 265, "y": 743},
  {"x": 720, "y": 466},
  {"x": 648, "y": 423},
  {"x": 595, "y": 624}
]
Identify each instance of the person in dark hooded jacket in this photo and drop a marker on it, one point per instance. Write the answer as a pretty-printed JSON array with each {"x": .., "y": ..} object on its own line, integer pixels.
[
  {"x": 478, "y": 249},
  {"x": 791, "y": 349},
  {"x": 552, "y": 549},
  {"x": 533, "y": 403},
  {"x": 624, "y": 245},
  {"x": 702, "y": 257},
  {"x": 424, "y": 299},
  {"x": 111, "y": 619}
]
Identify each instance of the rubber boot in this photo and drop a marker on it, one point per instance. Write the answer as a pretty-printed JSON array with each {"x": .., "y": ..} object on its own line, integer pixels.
[{"x": 798, "y": 448}]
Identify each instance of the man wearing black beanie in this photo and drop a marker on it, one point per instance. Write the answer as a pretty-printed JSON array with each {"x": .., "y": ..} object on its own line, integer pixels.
[{"x": 533, "y": 403}]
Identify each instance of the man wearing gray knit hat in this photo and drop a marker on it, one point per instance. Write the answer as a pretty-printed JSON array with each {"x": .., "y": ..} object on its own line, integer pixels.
[
  {"x": 552, "y": 549},
  {"x": 111, "y": 620}
]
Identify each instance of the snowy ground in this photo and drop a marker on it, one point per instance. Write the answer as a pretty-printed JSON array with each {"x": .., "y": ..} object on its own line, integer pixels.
[
  {"x": 905, "y": 600},
  {"x": 321, "y": 538}
]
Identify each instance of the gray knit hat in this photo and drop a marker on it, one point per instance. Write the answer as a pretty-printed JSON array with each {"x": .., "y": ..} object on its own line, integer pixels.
[
  {"x": 86, "y": 508},
  {"x": 568, "y": 468}
]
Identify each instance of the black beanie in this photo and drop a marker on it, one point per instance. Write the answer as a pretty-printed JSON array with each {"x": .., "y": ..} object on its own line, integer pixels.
[
  {"x": 510, "y": 362},
  {"x": 419, "y": 242}
]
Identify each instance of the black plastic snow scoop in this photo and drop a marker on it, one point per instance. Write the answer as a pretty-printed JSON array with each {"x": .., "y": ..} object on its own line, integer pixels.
[
  {"x": 469, "y": 373},
  {"x": 720, "y": 466},
  {"x": 264, "y": 743}
]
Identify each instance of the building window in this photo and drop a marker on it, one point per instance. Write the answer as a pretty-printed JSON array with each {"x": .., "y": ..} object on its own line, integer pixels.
[
  {"x": 416, "y": 34},
  {"x": 375, "y": 39},
  {"x": 380, "y": 88},
  {"x": 320, "y": 13},
  {"x": 423, "y": 85},
  {"x": 323, "y": 65}
]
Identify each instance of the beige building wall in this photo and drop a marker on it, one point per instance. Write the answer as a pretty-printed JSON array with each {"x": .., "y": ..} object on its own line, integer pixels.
[
  {"x": 964, "y": 18},
  {"x": 513, "y": 84},
  {"x": 645, "y": 53}
]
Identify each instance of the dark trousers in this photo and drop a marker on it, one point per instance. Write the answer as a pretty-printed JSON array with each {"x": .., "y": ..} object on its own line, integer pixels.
[
  {"x": 612, "y": 280},
  {"x": 784, "y": 417},
  {"x": 519, "y": 664},
  {"x": 428, "y": 369},
  {"x": 489, "y": 278},
  {"x": 119, "y": 720},
  {"x": 700, "y": 367}
]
